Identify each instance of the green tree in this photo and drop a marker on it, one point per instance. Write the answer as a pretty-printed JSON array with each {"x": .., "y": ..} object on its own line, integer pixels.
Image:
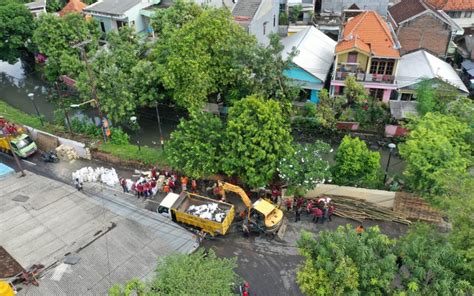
[
  {"x": 55, "y": 37},
  {"x": 430, "y": 265},
  {"x": 305, "y": 168},
  {"x": 434, "y": 96},
  {"x": 356, "y": 164},
  {"x": 436, "y": 147},
  {"x": 194, "y": 147},
  {"x": 258, "y": 137},
  {"x": 342, "y": 262},
  {"x": 182, "y": 274},
  {"x": 354, "y": 92},
  {"x": 325, "y": 113},
  {"x": 195, "y": 274},
  {"x": 295, "y": 12},
  {"x": 113, "y": 73},
  {"x": 167, "y": 21},
  {"x": 203, "y": 57},
  {"x": 16, "y": 28}
]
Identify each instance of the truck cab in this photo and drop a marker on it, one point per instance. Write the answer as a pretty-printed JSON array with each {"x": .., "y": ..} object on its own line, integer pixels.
[
  {"x": 23, "y": 146},
  {"x": 166, "y": 204}
]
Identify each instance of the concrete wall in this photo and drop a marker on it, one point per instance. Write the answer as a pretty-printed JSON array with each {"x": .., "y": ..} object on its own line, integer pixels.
[
  {"x": 109, "y": 24},
  {"x": 426, "y": 31},
  {"x": 337, "y": 6},
  {"x": 265, "y": 16},
  {"x": 80, "y": 148}
]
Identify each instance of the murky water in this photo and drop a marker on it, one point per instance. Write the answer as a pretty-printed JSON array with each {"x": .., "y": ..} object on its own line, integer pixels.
[{"x": 18, "y": 80}]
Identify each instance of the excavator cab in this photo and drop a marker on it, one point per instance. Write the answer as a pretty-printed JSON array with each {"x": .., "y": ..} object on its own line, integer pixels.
[{"x": 273, "y": 216}]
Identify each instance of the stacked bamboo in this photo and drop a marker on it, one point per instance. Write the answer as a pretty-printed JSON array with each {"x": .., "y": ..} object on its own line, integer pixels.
[{"x": 359, "y": 210}]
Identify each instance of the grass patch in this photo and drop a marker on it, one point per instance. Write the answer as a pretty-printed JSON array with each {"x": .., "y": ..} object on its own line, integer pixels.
[
  {"x": 146, "y": 155},
  {"x": 19, "y": 117}
]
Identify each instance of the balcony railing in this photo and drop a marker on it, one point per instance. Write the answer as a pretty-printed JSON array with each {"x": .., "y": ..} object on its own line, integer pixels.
[{"x": 362, "y": 76}]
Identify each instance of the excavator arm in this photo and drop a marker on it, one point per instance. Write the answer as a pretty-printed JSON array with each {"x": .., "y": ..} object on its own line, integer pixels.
[{"x": 236, "y": 189}]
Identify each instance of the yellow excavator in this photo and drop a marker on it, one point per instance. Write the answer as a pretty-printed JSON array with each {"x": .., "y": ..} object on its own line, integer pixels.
[{"x": 263, "y": 215}]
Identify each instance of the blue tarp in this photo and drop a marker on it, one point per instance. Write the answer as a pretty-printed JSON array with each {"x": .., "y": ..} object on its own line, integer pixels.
[{"x": 5, "y": 171}]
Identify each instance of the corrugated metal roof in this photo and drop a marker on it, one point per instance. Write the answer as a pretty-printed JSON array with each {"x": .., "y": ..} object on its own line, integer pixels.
[
  {"x": 246, "y": 8},
  {"x": 418, "y": 65},
  {"x": 315, "y": 51},
  {"x": 114, "y": 7},
  {"x": 56, "y": 219}
]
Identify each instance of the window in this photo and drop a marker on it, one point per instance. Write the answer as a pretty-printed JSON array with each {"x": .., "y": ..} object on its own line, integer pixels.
[
  {"x": 265, "y": 28},
  {"x": 381, "y": 67},
  {"x": 102, "y": 26},
  {"x": 120, "y": 24},
  {"x": 274, "y": 21},
  {"x": 352, "y": 57},
  {"x": 455, "y": 14},
  {"x": 468, "y": 14}
]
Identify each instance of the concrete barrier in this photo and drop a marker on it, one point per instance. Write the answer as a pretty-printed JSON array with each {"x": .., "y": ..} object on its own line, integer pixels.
[{"x": 79, "y": 147}]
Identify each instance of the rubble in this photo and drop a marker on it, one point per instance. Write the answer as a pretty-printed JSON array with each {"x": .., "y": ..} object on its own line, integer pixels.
[
  {"x": 100, "y": 174},
  {"x": 209, "y": 211}
]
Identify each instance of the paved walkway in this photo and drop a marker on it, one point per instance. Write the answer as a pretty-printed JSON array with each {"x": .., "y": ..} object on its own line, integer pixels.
[{"x": 43, "y": 220}]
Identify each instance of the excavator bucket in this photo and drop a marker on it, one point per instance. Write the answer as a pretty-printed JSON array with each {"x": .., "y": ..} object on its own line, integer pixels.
[{"x": 281, "y": 232}]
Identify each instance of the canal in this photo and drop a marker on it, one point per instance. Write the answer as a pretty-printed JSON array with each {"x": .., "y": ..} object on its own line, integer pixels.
[{"x": 19, "y": 80}]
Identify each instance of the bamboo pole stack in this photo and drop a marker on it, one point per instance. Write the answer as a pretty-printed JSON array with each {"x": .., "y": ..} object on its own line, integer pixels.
[{"x": 359, "y": 210}]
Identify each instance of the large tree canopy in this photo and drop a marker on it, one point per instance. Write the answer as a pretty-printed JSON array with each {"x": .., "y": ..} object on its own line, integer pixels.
[
  {"x": 342, "y": 262},
  {"x": 203, "y": 57},
  {"x": 113, "y": 74},
  {"x": 195, "y": 146},
  {"x": 182, "y": 274},
  {"x": 356, "y": 164},
  {"x": 16, "y": 28},
  {"x": 306, "y": 168},
  {"x": 435, "y": 149},
  {"x": 55, "y": 37},
  {"x": 258, "y": 137}
]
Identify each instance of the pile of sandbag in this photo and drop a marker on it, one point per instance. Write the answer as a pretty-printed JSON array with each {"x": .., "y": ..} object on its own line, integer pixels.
[
  {"x": 66, "y": 153},
  {"x": 209, "y": 211},
  {"x": 100, "y": 174}
]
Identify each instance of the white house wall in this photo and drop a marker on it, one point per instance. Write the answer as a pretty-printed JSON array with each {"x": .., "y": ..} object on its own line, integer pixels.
[{"x": 265, "y": 13}]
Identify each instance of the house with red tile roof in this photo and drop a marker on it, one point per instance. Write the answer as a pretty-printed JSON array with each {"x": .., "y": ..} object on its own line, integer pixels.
[
  {"x": 73, "y": 6},
  {"x": 461, "y": 11},
  {"x": 419, "y": 25},
  {"x": 368, "y": 50}
]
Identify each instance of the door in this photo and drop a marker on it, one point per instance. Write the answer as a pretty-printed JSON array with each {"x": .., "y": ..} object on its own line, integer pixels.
[{"x": 102, "y": 27}]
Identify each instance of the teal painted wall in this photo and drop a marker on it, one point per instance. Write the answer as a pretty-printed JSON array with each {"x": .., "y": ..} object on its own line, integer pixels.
[{"x": 301, "y": 75}]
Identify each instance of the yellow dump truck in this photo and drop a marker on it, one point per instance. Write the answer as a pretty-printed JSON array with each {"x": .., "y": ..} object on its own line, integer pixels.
[{"x": 214, "y": 217}]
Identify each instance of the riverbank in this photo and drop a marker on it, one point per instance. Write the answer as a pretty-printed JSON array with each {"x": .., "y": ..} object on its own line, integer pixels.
[{"x": 127, "y": 154}]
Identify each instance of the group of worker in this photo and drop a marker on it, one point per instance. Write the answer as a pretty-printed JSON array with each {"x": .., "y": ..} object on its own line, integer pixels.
[{"x": 322, "y": 209}]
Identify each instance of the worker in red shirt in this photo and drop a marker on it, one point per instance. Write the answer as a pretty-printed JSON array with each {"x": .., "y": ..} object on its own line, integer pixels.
[
  {"x": 317, "y": 215},
  {"x": 288, "y": 203},
  {"x": 153, "y": 183},
  {"x": 139, "y": 190},
  {"x": 299, "y": 202},
  {"x": 171, "y": 185},
  {"x": 153, "y": 172},
  {"x": 147, "y": 189},
  {"x": 309, "y": 207}
]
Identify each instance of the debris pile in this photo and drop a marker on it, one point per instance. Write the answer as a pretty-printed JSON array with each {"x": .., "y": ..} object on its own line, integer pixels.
[
  {"x": 359, "y": 210},
  {"x": 100, "y": 174},
  {"x": 209, "y": 211},
  {"x": 66, "y": 153}
]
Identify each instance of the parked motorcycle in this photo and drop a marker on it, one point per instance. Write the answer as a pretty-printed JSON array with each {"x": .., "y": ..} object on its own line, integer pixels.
[{"x": 50, "y": 156}]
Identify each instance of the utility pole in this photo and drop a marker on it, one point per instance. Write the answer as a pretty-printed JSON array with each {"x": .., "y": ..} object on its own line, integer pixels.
[
  {"x": 81, "y": 46},
  {"x": 61, "y": 99},
  {"x": 159, "y": 126}
]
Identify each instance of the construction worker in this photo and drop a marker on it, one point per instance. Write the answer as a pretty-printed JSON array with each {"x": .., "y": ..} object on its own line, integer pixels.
[
  {"x": 139, "y": 190},
  {"x": 166, "y": 187},
  {"x": 193, "y": 185},
  {"x": 153, "y": 172},
  {"x": 289, "y": 204},
  {"x": 78, "y": 184},
  {"x": 184, "y": 183},
  {"x": 317, "y": 214},
  {"x": 123, "y": 183},
  {"x": 331, "y": 211},
  {"x": 298, "y": 214},
  {"x": 309, "y": 207},
  {"x": 360, "y": 229}
]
